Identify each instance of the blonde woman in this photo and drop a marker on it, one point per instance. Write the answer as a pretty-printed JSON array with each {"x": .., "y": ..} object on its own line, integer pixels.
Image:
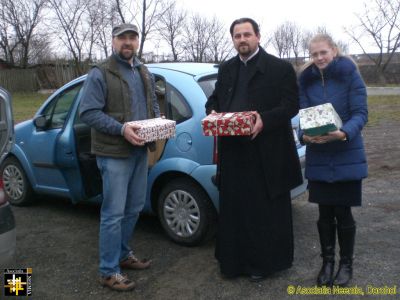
[{"x": 336, "y": 162}]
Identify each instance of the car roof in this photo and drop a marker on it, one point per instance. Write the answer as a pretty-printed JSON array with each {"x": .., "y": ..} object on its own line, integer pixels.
[{"x": 191, "y": 68}]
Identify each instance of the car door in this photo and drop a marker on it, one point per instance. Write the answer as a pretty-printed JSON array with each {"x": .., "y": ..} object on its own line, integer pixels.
[
  {"x": 6, "y": 123},
  {"x": 82, "y": 175},
  {"x": 44, "y": 146},
  {"x": 65, "y": 148},
  {"x": 78, "y": 164}
]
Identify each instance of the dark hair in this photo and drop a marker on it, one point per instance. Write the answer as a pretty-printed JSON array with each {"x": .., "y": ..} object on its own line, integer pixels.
[{"x": 253, "y": 23}]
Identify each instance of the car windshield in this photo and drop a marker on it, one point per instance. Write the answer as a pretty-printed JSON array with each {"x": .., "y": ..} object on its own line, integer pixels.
[{"x": 208, "y": 84}]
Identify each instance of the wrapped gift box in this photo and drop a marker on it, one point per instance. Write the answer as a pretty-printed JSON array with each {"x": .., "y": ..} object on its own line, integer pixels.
[
  {"x": 319, "y": 120},
  {"x": 228, "y": 124},
  {"x": 156, "y": 129}
]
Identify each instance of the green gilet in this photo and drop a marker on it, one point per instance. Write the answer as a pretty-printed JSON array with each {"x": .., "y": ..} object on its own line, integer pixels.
[{"x": 118, "y": 106}]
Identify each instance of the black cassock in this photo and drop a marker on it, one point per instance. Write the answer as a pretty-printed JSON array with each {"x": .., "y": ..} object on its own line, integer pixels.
[{"x": 255, "y": 232}]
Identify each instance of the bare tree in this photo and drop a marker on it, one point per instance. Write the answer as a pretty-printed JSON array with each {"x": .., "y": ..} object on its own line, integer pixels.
[
  {"x": 306, "y": 37},
  {"x": 71, "y": 18},
  {"x": 123, "y": 11},
  {"x": 40, "y": 49},
  {"x": 97, "y": 21},
  {"x": 151, "y": 12},
  {"x": 220, "y": 46},
  {"x": 8, "y": 41},
  {"x": 280, "y": 40},
  {"x": 321, "y": 30},
  {"x": 294, "y": 39},
  {"x": 305, "y": 42},
  {"x": 170, "y": 28},
  {"x": 119, "y": 8},
  {"x": 22, "y": 17},
  {"x": 107, "y": 14},
  {"x": 380, "y": 23},
  {"x": 104, "y": 27},
  {"x": 197, "y": 38}
]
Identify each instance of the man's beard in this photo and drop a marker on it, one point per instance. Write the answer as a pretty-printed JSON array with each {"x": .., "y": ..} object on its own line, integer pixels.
[
  {"x": 244, "y": 51},
  {"x": 127, "y": 55}
]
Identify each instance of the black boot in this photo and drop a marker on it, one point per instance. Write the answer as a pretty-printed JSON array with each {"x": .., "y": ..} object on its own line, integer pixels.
[
  {"x": 346, "y": 237},
  {"x": 327, "y": 236}
]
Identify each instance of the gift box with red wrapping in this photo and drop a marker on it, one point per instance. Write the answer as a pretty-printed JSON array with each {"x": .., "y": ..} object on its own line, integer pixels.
[
  {"x": 228, "y": 124},
  {"x": 155, "y": 129}
]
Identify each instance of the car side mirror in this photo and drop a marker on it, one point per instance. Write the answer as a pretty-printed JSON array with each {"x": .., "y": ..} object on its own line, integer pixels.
[{"x": 40, "y": 122}]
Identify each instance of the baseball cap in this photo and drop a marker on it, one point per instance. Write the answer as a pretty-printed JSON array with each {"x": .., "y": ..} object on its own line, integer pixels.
[{"x": 122, "y": 28}]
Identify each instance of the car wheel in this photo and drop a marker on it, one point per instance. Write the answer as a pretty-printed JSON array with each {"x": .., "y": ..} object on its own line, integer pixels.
[
  {"x": 17, "y": 187},
  {"x": 186, "y": 213}
]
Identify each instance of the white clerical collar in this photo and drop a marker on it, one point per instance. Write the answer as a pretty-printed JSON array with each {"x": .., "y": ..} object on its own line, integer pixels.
[{"x": 250, "y": 57}]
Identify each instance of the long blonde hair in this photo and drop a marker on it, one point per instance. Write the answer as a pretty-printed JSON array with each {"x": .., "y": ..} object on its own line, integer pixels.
[{"x": 322, "y": 37}]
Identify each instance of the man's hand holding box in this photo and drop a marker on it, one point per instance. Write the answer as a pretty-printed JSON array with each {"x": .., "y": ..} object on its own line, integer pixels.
[{"x": 155, "y": 129}]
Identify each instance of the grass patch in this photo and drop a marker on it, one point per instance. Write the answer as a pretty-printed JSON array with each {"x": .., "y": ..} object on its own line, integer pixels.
[
  {"x": 383, "y": 108},
  {"x": 25, "y": 105}
]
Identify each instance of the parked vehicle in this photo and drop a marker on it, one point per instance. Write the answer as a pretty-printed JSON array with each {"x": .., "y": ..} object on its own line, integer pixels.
[
  {"x": 7, "y": 221},
  {"x": 52, "y": 155}
]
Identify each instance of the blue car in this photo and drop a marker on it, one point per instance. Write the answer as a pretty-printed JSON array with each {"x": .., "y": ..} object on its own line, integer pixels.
[{"x": 51, "y": 155}]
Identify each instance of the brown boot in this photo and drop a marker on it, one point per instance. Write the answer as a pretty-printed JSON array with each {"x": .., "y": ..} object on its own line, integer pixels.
[
  {"x": 131, "y": 262},
  {"x": 117, "y": 282}
]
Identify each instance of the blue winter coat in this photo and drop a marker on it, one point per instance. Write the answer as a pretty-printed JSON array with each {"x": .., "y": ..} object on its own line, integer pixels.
[{"x": 340, "y": 84}]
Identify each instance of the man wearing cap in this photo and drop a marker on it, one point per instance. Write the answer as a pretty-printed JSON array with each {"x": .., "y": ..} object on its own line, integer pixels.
[{"x": 119, "y": 90}]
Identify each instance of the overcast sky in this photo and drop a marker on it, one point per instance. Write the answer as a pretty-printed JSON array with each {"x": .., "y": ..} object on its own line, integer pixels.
[{"x": 308, "y": 14}]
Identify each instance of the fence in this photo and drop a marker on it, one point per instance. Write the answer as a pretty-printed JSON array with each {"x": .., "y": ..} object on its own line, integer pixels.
[
  {"x": 392, "y": 74},
  {"x": 51, "y": 76},
  {"x": 21, "y": 80},
  {"x": 55, "y": 75}
]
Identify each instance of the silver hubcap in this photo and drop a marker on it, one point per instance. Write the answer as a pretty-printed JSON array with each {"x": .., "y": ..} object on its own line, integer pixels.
[
  {"x": 13, "y": 182},
  {"x": 181, "y": 213}
]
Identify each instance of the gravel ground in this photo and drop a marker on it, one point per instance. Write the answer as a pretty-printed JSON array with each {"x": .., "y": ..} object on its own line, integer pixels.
[{"x": 59, "y": 242}]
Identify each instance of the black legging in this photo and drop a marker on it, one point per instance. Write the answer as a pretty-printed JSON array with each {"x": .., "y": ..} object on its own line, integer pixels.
[{"x": 342, "y": 214}]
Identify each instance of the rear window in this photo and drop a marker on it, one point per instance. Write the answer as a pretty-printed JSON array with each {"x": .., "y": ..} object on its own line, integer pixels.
[{"x": 208, "y": 84}]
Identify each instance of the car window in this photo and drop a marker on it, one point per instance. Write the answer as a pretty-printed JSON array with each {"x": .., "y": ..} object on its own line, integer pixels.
[
  {"x": 57, "y": 111},
  {"x": 207, "y": 84},
  {"x": 160, "y": 94},
  {"x": 172, "y": 103},
  {"x": 178, "y": 109}
]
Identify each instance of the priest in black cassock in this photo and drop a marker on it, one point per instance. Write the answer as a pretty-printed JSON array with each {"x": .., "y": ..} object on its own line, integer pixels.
[{"x": 257, "y": 172}]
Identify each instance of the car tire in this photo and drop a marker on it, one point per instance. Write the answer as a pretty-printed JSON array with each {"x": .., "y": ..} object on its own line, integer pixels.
[
  {"x": 186, "y": 212},
  {"x": 17, "y": 187}
]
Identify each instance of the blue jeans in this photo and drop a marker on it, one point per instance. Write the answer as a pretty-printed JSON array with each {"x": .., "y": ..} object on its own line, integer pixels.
[{"x": 124, "y": 195}]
